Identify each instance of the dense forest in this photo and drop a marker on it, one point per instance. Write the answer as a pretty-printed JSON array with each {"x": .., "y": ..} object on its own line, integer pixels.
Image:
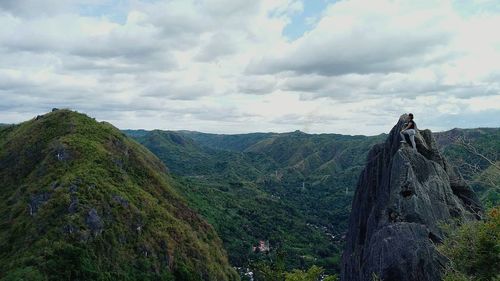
[
  {"x": 81, "y": 201},
  {"x": 292, "y": 190}
]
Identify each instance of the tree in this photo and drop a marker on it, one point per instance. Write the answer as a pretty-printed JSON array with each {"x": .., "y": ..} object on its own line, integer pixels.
[
  {"x": 478, "y": 161},
  {"x": 275, "y": 271},
  {"x": 474, "y": 250},
  {"x": 314, "y": 273}
]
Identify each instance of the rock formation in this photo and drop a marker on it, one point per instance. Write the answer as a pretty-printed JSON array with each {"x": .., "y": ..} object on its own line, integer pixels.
[{"x": 401, "y": 198}]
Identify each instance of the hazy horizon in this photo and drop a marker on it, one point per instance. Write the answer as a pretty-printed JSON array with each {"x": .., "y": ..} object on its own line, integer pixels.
[
  {"x": 233, "y": 66},
  {"x": 252, "y": 132}
]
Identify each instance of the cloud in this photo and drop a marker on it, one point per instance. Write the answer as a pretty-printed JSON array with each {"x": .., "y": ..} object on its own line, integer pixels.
[
  {"x": 226, "y": 65},
  {"x": 33, "y": 7},
  {"x": 366, "y": 37},
  {"x": 218, "y": 45},
  {"x": 257, "y": 85},
  {"x": 178, "y": 92}
]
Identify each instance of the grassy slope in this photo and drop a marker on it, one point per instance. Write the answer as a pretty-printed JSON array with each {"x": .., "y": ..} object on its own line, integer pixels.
[{"x": 79, "y": 200}]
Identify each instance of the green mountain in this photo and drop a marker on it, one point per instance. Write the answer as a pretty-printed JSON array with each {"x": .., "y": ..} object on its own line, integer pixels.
[
  {"x": 473, "y": 160},
  {"x": 288, "y": 189},
  {"x": 220, "y": 185},
  {"x": 189, "y": 158},
  {"x": 476, "y": 154},
  {"x": 82, "y": 201},
  {"x": 292, "y": 189},
  {"x": 79, "y": 200},
  {"x": 227, "y": 142}
]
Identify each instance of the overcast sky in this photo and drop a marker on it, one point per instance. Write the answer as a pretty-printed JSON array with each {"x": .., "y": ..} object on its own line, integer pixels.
[{"x": 233, "y": 66}]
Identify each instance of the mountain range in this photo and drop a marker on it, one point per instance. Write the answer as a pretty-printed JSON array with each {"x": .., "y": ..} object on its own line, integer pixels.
[
  {"x": 303, "y": 183},
  {"x": 82, "y": 200}
]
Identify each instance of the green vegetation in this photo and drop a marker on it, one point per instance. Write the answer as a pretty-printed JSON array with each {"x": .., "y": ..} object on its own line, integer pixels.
[
  {"x": 288, "y": 189},
  {"x": 272, "y": 268},
  {"x": 474, "y": 250},
  {"x": 81, "y": 201},
  {"x": 314, "y": 273},
  {"x": 476, "y": 154},
  {"x": 226, "y": 142},
  {"x": 292, "y": 189}
]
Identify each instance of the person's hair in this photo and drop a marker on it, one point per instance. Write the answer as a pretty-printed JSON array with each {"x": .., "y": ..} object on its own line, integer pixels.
[{"x": 411, "y": 115}]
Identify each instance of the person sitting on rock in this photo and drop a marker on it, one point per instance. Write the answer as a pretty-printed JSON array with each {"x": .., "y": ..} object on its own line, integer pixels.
[{"x": 410, "y": 130}]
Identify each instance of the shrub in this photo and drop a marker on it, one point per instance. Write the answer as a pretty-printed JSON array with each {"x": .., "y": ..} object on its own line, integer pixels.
[{"x": 474, "y": 249}]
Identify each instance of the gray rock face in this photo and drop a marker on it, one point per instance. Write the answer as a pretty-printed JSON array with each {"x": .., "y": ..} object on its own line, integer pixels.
[
  {"x": 36, "y": 201},
  {"x": 401, "y": 198},
  {"x": 73, "y": 205},
  {"x": 120, "y": 200},
  {"x": 61, "y": 153},
  {"x": 94, "y": 222}
]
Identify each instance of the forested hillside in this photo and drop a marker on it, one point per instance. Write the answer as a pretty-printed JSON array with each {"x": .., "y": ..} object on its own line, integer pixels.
[
  {"x": 80, "y": 200},
  {"x": 476, "y": 154},
  {"x": 291, "y": 189}
]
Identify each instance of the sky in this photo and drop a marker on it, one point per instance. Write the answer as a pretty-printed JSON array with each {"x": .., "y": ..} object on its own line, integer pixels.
[{"x": 239, "y": 66}]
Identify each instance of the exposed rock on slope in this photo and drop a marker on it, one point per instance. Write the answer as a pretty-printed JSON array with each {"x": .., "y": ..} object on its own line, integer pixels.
[
  {"x": 401, "y": 198},
  {"x": 81, "y": 201}
]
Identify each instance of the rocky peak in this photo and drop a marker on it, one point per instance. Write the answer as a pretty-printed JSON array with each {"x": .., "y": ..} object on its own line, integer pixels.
[{"x": 401, "y": 198}]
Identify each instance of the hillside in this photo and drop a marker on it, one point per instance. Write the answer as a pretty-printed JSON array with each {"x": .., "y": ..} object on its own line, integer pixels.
[
  {"x": 252, "y": 186},
  {"x": 239, "y": 142},
  {"x": 222, "y": 185},
  {"x": 475, "y": 152},
  {"x": 81, "y": 201},
  {"x": 298, "y": 202},
  {"x": 478, "y": 172},
  {"x": 186, "y": 157}
]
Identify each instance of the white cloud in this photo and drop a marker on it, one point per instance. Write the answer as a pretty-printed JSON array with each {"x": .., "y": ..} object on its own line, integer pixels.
[
  {"x": 225, "y": 66},
  {"x": 367, "y": 37}
]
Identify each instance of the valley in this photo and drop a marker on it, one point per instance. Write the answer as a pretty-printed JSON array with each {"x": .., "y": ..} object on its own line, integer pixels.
[{"x": 291, "y": 189}]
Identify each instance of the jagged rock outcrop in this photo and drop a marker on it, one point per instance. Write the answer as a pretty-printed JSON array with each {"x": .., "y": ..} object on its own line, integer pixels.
[{"x": 401, "y": 198}]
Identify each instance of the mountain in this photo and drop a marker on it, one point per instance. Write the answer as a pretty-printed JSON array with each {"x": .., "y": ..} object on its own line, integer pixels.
[
  {"x": 222, "y": 186},
  {"x": 238, "y": 142},
  {"x": 480, "y": 174},
  {"x": 295, "y": 199},
  {"x": 186, "y": 157},
  {"x": 476, "y": 153},
  {"x": 293, "y": 189},
  {"x": 401, "y": 199},
  {"x": 79, "y": 200}
]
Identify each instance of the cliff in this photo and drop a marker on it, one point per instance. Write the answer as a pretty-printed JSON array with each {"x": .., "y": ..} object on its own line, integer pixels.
[{"x": 401, "y": 198}]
